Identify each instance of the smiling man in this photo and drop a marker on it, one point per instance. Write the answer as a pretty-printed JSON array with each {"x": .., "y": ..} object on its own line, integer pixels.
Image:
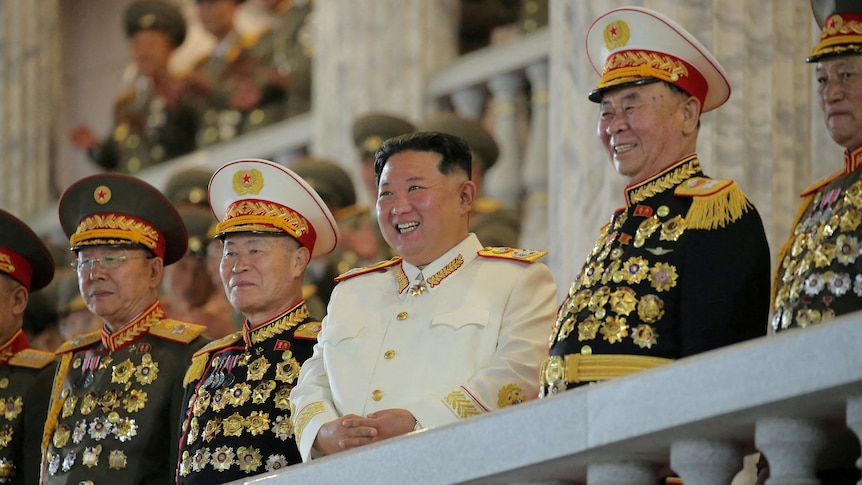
[
  {"x": 118, "y": 392},
  {"x": 236, "y": 419},
  {"x": 683, "y": 267},
  {"x": 446, "y": 331}
]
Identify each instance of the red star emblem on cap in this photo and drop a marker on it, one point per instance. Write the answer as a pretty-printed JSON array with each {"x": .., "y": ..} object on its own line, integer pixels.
[{"x": 246, "y": 178}]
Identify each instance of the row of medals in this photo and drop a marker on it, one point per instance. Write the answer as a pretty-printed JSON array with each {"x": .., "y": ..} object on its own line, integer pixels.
[
  {"x": 821, "y": 238},
  {"x": 220, "y": 389},
  {"x": 112, "y": 400},
  {"x": 623, "y": 301}
]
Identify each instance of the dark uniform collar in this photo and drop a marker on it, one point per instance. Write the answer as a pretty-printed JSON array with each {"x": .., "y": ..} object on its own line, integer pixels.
[
  {"x": 17, "y": 343},
  {"x": 279, "y": 324},
  {"x": 665, "y": 180},
  {"x": 134, "y": 330},
  {"x": 852, "y": 160}
]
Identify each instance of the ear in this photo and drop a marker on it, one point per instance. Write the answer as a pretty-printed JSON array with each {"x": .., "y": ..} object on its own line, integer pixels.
[
  {"x": 18, "y": 298},
  {"x": 157, "y": 271},
  {"x": 691, "y": 115},
  {"x": 467, "y": 195},
  {"x": 302, "y": 256}
]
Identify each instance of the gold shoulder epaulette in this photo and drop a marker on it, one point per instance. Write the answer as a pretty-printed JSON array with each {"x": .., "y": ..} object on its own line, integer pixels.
[
  {"x": 221, "y": 343},
  {"x": 368, "y": 269},
  {"x": 79, "y": 342},
  {"x": 486, "y": 205},
  {"x": 714, "y": 204},
  {"x": 183, "y": 332},
  {"x": 515, "y": 254},
  {"x": 307, "y": 331},
  {"x": 821, "y": 183},
  {"x": 32, "y": 358}
]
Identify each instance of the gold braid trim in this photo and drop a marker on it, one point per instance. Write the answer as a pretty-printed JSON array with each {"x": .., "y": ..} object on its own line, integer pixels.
[
  {"x": 196, "y": 369},
  {"x": 462, "y": 404},
  {"x": 640, "y": 64},
  {"x": 249, "y": 212},
  {"x": 447, "y": 270},
  {"x": 281, "y": 325},
  {"x": 716, "y": 210},
  {"x": 113, "y": 226},
  {"x": 786, "y": 247},
  {"x": 668, "y": 180},
  {"x": 56, "y": 402},
  {"x": 307, "y": 413}
]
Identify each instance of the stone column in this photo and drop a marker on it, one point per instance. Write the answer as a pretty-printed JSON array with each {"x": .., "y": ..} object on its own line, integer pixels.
[
  {"x": 503, "y": 180},
  {"x": 375, "y": 55},
  {"x": 29, "y": 83},
  {"x": 791, "y": 446},
  {"x": 534, "y": 172},
  {"x": 705, "y": 462},
  {"x": 622, "y": 473}
]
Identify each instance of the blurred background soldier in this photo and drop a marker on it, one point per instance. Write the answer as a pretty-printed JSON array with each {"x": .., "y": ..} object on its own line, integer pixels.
[
  {"x": 227, "y": 85},
  {"x": 117, "y": 394},
  {"x": 369, "y": 132},
  {"x": 75, "y": 318},
  {"x": 153, "y": 120},
  {"x": 25, "y": 266},
  {"x": 285, "y": 50},
  {"x": 493, "y": 224},
  {"x": 236, "y": 417}
]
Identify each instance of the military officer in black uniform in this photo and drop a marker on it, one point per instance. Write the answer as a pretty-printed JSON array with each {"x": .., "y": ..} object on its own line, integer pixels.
[
  {"x": 683, "y": 267},
  {"x": 492, "y": 222},
  {"x": 819, "y": 274},
  {"x": 117, "y": 394},
  {"x": 153, "y": 120},
  {"x": 236, "y": 419},
  {"x": 25, "y": 266}
]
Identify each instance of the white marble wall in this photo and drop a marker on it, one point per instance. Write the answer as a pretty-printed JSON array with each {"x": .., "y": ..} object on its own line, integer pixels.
[
  {"x": 769, "y": 137},
  {"x": 29, "y": 44},
  {"x": 375, "y": 55}
]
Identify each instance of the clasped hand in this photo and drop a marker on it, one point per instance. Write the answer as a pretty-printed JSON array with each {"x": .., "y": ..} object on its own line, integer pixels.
[{"x": 351, "y": 431}]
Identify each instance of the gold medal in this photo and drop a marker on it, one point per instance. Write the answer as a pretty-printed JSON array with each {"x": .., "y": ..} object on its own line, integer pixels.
[
  {"x": 614, "y": 329},
  {"x": 646, "y": 228},
  {"x": 219, "y": 400},
  {"x": 580, "y": 301},
  {"x": 126, "y": 429},
  {"x": 148, "y": 371},
  {"x": 69, "y": 405},
  {"x": 61, "y": 436},
  {"x": 257, "y": 368},
  {"x": 850, "y": 220},
  {"x": 248, "y": 458},
  {"x": 257, "y": 423},
  {"x": 283, "y": 428},
  {"x": 202, "y": 402},
  {"x": 211, "y": 430},
  {"x": 135, "y": 400},
  {"x": 287, "y": 371},
  {"x": 282, "y": 398},
  {"x": 566, "y": 328},
  {"x": 90, "y": 457},
  {"x": 599, "y": 299},
  {"x": 650, "y": 308},
  {"x": 232, "y": 425},
  {"x": 194, "y": 429},
  {"x": 117, "y": 460},
  {"x": 623, "y": 301},
  {"x": 6, "y": 433},
  {"x": 11, "y": 406},
  {"x": 644, "y": 336},
  {"x": 663, "y": 276},
  {"x": 588, "y": 328},
  {"x": 261, "y": 393},
  {"x": 663, "y": 211},
  {"x": 109, "y": 400},
  {"x": 635, "y": 269},
  {"x": 672, "y": 229},
  {"x": 88, "y": 403},
  {"x": 123, "y": 372},
  {"x": 238, "y": 394},
  {"x": 853, "y": 195}
]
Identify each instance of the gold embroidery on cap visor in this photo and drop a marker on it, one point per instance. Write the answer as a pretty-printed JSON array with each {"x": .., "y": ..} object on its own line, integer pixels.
[
  {"x": 262, "y": 216},
  {"x": 114, "y": 228},
  {"x": 629, "y": 66},
  {"x": 839, "y": 35}
]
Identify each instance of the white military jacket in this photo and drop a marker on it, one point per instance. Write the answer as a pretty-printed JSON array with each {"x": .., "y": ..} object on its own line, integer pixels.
[{"x": 472, "y": 341}]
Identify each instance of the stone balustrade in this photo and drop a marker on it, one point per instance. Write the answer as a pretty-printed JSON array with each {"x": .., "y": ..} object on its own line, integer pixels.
[{"x": 697, "y": 417}]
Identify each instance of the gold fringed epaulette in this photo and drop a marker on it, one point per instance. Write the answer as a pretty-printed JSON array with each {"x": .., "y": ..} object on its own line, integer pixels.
[
  {"x": 183, "y": 332},
  {"x": 514, "y": 254},
  {"x": 368, "y": 269},
  {"x": 32, "y": 359},
  {"x": 307, "y": 331},
  {"x": 219, "y": 344},
  {"x": 196, "y": 369},
  {"x": 79, "y": 342},
  {"x": 714, "y": 204},
  {"x": 56, "y": 402}
]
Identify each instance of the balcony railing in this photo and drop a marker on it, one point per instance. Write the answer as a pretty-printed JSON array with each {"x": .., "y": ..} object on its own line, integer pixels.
[{"x": 697, "y": 416}]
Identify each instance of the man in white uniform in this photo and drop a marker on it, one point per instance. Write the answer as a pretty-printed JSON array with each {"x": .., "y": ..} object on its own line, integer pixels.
[{"x": 447, "y": 331}]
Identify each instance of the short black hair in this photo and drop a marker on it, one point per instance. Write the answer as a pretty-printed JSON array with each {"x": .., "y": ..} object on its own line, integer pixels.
[{"x": 455, "y": 155}]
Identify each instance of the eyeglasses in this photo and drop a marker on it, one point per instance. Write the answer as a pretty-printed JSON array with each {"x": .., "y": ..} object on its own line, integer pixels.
[{"x": 105, "y": 262}]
